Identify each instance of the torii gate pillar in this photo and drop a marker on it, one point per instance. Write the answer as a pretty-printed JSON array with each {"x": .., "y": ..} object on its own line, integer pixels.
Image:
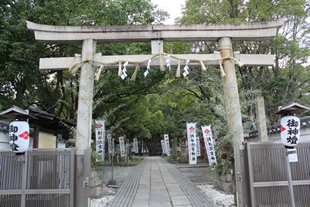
[
  {"x": 233, "y": 112},
  {"x": 84, "y": 125},
  {"x": 86, "y": 91}
]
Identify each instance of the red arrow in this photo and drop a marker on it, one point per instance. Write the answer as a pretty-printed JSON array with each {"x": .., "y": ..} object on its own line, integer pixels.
[{"x": 282, "y": 128}]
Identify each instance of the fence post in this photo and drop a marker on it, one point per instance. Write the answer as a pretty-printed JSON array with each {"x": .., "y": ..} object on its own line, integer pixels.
[
  {"x": 72, "y": 177},
  {"x": 241, "y": 176},
  {"x": 82, "y": 178}
]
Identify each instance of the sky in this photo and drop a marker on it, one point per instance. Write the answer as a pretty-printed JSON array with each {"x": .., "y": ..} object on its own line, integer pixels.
[{"x": 173, "y": 7}]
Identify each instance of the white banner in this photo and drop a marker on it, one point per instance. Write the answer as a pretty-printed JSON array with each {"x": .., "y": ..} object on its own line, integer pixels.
[
  {"x": 135, "y": 145},
  {"x": 198, "y": 146},
  {"x": 109, "y": 139},
  {"x": 122, "y": 146},
  {"x": 209, "y": 145},
  {"x": 113, "y": 147},
  {"x": 100, "y": 138},
  {"x": 167, "y": 144},
  {"x": 191, "y": 140},
  {"x": 163, "y": 146}
]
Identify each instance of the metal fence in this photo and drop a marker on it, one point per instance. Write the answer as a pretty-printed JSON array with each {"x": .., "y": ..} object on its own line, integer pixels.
[
  {"x": 261, "y": 175},
  {"x": 41, "y": 177}
]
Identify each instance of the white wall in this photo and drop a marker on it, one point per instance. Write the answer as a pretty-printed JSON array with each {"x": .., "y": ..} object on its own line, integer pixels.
[{"x": 4, "y": 141}]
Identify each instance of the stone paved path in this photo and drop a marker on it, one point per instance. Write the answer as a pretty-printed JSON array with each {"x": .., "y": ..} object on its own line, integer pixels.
[{"x": 157, "y": 183}]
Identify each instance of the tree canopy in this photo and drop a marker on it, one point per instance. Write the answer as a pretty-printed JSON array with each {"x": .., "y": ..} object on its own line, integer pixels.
[{"x": 289, "y": 79}]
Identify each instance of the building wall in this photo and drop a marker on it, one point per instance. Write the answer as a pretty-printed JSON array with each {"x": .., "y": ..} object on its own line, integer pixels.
[
  {"x": 47, "y": 140},
  {"x": 4, "y": 140}
]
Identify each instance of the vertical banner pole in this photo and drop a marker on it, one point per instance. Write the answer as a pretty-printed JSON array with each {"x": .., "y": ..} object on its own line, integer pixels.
[
  {"x": 289, "y": 178},
  {"x": 103, "y": 152},
  {"x": 113, "y": 150},
  {"x": 112, "y": 165},
  {"x": 24, "y": 179}
]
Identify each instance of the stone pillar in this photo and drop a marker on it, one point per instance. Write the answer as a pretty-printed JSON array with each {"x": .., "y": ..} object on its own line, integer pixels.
[
  {"x": 232, "y": 105},
  {"x": 84, "y": 125},
  {"x": 175, "y": 148},
  {"x": 86, "y": 91},
  {"x": 261, "y": 120}
]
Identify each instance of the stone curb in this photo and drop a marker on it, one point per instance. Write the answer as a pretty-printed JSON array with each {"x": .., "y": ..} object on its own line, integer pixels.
[{"x": 126, "y": 193}]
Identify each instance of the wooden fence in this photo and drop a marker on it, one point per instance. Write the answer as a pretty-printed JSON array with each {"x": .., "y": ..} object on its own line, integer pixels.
[{"x": 261, "y": 175}]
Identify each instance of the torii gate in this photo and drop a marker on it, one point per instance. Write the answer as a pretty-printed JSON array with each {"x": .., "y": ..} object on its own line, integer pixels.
[{"x": 156, "y": 34}]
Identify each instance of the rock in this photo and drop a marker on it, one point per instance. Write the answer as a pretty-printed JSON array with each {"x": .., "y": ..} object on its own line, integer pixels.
[
  {"x": 97, "y": 191},
  {"x": 224, "y": 186},
  {"x": 95, "y": 182}
]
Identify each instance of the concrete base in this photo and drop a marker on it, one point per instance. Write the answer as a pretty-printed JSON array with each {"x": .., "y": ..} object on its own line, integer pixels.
[
  {"x": 183, "y": 159},
  {"x": 97, "y": 186},
  {"x": 112, "y": 182},
  {"x": 97, "y": 191},
  {"x": 82, "y": 173},
  {"x": 224, "y": 186}
]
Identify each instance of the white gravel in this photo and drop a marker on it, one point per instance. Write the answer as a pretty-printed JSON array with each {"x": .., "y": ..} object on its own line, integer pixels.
[
  {"x": 101, "y": 202},
  {"x": 217, "y": 197}
]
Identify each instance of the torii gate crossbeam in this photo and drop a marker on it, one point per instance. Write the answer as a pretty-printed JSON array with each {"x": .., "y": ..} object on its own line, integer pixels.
[{"x": 90, "y": 35}]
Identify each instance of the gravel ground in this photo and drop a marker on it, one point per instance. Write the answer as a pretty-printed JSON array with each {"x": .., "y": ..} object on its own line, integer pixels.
[{"x": 202, "y": 176}]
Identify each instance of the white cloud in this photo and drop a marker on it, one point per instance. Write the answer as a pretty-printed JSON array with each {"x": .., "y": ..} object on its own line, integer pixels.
[{"x": 173, "y": 7}]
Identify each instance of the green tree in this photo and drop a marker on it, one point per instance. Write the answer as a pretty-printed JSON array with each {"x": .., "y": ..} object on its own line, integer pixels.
[
  {"x": 290, "y": 47},
  {"x": 21, "y": 81}
]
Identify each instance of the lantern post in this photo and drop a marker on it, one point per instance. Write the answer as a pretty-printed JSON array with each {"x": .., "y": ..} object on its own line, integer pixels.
[{"x": 290, "y": 135}]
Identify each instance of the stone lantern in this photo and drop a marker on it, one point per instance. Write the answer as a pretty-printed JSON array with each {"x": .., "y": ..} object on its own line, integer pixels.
[{"x": 183, "y": 151}]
